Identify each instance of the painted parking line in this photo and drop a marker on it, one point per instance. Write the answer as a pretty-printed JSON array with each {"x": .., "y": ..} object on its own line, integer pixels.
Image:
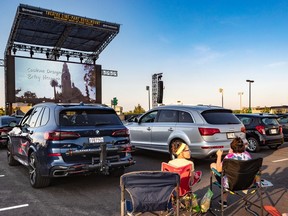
[
  {"x": 14, "y": 207},
  {"x": 2, "y": 175},
  {"x": 281, "y": 160}
]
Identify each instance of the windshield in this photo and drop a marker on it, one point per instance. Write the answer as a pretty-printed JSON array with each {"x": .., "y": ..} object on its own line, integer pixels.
[{"x": 88, "y": 117}]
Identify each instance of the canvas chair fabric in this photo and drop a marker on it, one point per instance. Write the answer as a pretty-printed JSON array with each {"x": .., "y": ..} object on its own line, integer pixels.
[
  {"x": 241, "y": 177},
  {"x": 149, "y": 191},
  {"x": 185, "y": 176}
]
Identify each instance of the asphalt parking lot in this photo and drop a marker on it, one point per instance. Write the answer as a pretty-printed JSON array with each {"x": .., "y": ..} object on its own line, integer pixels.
[{"x": 100, "y": 195}]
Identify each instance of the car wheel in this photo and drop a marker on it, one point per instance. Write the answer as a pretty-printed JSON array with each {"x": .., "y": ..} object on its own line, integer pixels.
[
  {"x": 36, "y": 180},
  {"x": 273, "y": 146},
  {"x": 11, "y": 161},
  {"x": 253, "y": 144}
]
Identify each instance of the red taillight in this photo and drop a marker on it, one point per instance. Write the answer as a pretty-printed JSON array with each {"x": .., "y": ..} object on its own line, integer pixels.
[
  {"x": 124, "y": 132},
  {"x": 243, "y": 129},
  {"x": 280, "y": 129},
  {"x": 4, "y": 130},
  {"x": 208, "y": 131},
  {"x": 54, "y": 155},
  {"x": 260, "y": 129},
  {"x": 60, "y": 135}
]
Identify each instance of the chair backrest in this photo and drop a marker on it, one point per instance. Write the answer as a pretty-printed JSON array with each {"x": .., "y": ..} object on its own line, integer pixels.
[
  {"x": 185, "y": 176},
  {"x": 241, "y": 173},
  {"x": 150, "y": 190}
]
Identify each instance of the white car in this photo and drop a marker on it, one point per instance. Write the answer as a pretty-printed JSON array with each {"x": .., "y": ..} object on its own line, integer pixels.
[{"x": 204, "y": 128}]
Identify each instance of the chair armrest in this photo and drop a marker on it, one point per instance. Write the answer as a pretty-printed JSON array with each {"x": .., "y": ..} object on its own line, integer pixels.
[{"x": 216, "y": 172}]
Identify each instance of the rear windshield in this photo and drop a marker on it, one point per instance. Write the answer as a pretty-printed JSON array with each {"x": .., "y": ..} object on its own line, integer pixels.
[
  {"x": 220, "y": 117},
  {"x": 270, "y": 121},
  {"x": 6, "y": 121},
  {"x": 88, "y": 117}
]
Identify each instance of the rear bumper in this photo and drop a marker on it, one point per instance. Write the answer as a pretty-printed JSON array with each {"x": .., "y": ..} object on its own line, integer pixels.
[{"x": 102, "y": 168}]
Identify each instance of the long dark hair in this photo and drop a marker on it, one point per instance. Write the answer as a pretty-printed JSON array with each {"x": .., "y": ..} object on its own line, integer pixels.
[{"x": 237, "y": 145}]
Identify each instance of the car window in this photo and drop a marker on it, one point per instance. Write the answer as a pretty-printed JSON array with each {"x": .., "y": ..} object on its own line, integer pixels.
[
  {"x": 168, "y": 116},
  {"x": 149, "y": 117},
  {"x": 89, "y": 117},
  {"x": 185, "y": 117},
  {"x": 270, "y": 121},
  {"x": 45, "y": 116},
  {"x": 246, "y": 120},
  {"x": 34, "y": 117},
  {"x": 220, "y": 117},
  {"x": 283, "y": 120}
]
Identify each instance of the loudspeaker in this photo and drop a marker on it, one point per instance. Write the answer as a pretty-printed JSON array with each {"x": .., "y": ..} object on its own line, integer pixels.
[{"x": 160, "y": 92}]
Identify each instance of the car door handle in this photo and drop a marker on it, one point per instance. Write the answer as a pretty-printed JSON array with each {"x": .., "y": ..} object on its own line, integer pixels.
[
  {"x": 170, "y": 129},
  {"x": 149, "y": 129}
]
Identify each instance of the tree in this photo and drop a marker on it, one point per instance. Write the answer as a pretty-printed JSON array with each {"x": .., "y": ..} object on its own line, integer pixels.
[
  {"x": 138, "y": 109},
  {"x": 54, "y": 84}
]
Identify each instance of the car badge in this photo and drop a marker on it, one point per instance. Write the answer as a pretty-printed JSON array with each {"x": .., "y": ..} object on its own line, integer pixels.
[{"x": 97, "y": 132}]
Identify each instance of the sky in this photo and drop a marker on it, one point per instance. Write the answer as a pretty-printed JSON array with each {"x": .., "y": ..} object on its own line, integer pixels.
[{"x": 200, "y": 46}]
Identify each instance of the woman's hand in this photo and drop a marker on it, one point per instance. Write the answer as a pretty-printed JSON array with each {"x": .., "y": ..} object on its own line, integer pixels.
[{"x": 219, "y": 153}]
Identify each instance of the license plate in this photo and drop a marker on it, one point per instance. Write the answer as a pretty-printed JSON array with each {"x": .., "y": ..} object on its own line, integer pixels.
[
  {"x": 273, "y": 131},
  {"x": 96, "y": 139},
  {"x": 231, "y": 135}
]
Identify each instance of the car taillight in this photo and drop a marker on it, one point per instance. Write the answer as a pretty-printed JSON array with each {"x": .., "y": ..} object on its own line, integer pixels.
[
  {"x": 54, "y": 155},
  {"x": 4, "y": 130},
  {"x": 208, "y": 131},
  {"x": 127, "y": 148},
  {"x": 280, "y": 129},
  {"x": 243, "y": 129},
  {"x": 260, "y": 129},
  {"x": 124, "y": 132},
  {"x": 60, "y": 135}
]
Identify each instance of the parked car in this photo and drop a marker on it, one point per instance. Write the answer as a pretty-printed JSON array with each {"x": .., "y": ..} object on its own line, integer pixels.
[
  {"x": 283, "y": 120},
  {"x": 262, "y": 130},
  {"x": 57, "y": 140},
  {"x": 204, "y": 128},
  {"x": 5, "y": 127}
]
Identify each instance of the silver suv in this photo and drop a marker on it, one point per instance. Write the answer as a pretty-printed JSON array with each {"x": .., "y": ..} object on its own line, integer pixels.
[{"x": 204, "y": 128}]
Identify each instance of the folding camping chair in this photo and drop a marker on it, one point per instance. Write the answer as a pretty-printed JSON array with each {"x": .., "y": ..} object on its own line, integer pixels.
[
  {"x": 241, "y": 179},
  {"x": 186, "y": 180},
  {"x": 149, "y": 191}
]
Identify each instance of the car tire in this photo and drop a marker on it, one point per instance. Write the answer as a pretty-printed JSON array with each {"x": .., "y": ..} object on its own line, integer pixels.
[
  {"x": 273, "y": 146},
  {"x": 253, "y": 144},
  {"x": 36, "y": 180},
  {"x": 11, "y": 161}
]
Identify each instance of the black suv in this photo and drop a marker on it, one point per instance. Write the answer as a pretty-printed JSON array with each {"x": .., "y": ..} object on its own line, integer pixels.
[
  {"x": 262, "y": 130},
  {"x": 57, "y": 140}
]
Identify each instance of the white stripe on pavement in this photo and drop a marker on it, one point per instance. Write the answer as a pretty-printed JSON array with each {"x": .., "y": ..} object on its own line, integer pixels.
[
  {"x": 280, "y": 160},
  {"x": 14, "y": 207},
  {"x": 2, "y": 175}
]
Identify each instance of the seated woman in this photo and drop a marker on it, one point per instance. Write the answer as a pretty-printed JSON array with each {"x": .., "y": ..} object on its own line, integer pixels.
[
  {"x": 238, "y": 152},
  {"x": 182, "y": 153}
]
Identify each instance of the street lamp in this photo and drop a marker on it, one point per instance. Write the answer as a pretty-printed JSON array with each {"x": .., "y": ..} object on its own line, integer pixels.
[
  {"x": 221, "y": 91},
  {"x": 148, "y": 89},
  {"x": 240, "y": 94},
  {"x": 250, "y": 81}
]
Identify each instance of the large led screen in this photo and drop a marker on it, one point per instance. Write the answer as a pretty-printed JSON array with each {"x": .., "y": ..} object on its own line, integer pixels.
[{"x": 39, "y": 80}]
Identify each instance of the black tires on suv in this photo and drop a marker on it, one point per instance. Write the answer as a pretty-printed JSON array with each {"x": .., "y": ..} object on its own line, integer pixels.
[{"x": 262, "y": 130}]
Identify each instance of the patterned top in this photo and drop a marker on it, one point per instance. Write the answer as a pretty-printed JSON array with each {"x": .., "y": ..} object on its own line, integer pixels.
[{"x": 236, "y": 156}]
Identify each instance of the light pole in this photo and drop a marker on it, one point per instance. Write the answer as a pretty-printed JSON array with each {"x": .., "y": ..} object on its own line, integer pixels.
[
  {"x": 240, "y": 94},
  {"x": 148, "y": 89},
  {"x": 221, "y": 91},
  {"x": 250, "y": 81}
]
